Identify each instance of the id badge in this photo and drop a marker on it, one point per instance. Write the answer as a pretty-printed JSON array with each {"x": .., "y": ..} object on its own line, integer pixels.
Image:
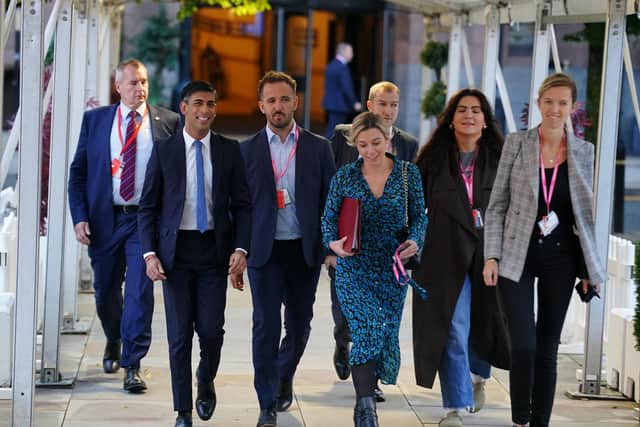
[
  {"x": 548, "y": 223},
  {"x": 477, "y": 218},
  {"x": 115, "y": 167},
  {"x": 283, "y": 198}
]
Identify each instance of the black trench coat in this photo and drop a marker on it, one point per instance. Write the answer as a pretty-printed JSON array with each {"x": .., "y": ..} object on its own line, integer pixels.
[{"x": 453, "y": 247}]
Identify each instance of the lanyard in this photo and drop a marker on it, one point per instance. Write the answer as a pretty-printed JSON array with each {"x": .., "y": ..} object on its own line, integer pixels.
[
  {"x": 547, "y": 192},
  {"x": 468, "y": 181},
  {"x": 278, "y": 176},
  {"x": 134, "y": 134}
]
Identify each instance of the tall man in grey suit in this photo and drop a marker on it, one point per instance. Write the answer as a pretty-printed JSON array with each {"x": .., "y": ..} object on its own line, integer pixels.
[
  {"x": 288, "y": 170},
  {"x": 384, "y": 100},
  {"x": 195, "y": 226},
  {"x": 105, "y": 183}
]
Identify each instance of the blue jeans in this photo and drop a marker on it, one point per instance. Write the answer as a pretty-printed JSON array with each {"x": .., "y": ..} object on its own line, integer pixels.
[{"x": 458, "y": 359}]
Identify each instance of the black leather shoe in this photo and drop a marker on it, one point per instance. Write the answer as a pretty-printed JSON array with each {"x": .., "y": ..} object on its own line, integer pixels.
[
  {"x": 184, "y": 419},
  {"x": 341, "y": 361},
  {"x": 111, "y": 358},
  {"x": 268, "y": 418},
  {"x": 285, "y": 396},
  {"x": 379, "y": 394},
  {"x": 205, "y": 401},
  {"x": 133, "y": 382}
]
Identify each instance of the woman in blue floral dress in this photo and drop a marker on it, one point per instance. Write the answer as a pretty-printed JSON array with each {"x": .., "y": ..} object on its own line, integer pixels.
[{"x": 370, "y": 296}]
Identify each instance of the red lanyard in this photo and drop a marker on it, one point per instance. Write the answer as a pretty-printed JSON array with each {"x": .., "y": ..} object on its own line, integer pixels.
[
  {"x": 133, "y": 136},
  {"x": 547, "y": 192},
  {"x": 278, "y": 176},
  {"x": 468, "y": 180}
]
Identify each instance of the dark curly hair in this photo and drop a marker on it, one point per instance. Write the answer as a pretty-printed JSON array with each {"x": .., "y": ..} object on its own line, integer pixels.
[{"x": 443, "y": 139}]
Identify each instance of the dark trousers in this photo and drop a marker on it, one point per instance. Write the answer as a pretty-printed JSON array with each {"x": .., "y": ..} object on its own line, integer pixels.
[
  {"x": 127, "y": 318},
  {"x": 341, "y": 332},
  {"x": 194, "y": 298},
  {"x": 334, "y": 118},
  {"x": 534, "y": 344},
  {"x": 284, "y": 279}
]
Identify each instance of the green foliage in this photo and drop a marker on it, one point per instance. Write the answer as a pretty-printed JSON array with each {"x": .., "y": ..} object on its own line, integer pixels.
[
  {"x": 636, "y": 317},
  {"x": 434, "y": 99},
  {"x": 435, "y": 55},
  {"x": 239, "y": 7},
  {"x": 157, "y": 46}
]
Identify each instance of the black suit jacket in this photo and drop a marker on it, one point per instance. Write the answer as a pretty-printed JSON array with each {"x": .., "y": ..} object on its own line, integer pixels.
[
  {"x": 314, "y": 170},
  {"x": 163, "y": 195},
  {"x": 405, "y": 146}
]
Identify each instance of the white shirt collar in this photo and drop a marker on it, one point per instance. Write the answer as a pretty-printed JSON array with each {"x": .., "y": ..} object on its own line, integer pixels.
[
  {"x": 188, "y": 139},
  {"x": 124, "y": 110},
  {"x": 272, "y": 137},
  {"x": 341, "y": 59}
]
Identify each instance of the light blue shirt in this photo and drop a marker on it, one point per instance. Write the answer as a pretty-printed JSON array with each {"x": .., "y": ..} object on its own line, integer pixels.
[{"x": 287, "y": 226}]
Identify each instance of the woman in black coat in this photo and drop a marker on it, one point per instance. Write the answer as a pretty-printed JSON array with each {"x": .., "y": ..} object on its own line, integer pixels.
[{"x": 459, "y": 328}]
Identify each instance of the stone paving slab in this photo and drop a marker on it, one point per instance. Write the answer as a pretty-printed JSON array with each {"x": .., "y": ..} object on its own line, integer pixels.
[{"x": 321, "y": 400}]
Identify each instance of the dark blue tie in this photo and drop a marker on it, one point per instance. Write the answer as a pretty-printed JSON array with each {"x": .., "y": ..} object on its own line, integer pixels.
[{"x": 201, "y": 205}]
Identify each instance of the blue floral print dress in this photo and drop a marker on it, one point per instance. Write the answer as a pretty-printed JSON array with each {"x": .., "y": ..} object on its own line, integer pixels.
[{"x": 371, "y": 299}]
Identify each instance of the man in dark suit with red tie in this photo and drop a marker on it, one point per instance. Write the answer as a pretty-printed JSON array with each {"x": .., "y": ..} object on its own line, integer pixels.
[
  {"x": 105, "y": 183},
  {"x": 195, "y": 228},
  {"x": 288, "y": 171}
]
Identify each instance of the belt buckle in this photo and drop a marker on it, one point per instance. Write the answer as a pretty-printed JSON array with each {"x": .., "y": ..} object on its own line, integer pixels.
[{"x": 126, "y": 209}]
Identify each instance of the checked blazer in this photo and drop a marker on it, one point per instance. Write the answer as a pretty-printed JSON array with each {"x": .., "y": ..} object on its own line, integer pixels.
[{"x": 512, "y": 210}]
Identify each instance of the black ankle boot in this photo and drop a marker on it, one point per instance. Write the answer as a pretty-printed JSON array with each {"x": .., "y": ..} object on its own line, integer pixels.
[{"x": 364, "y": 413}]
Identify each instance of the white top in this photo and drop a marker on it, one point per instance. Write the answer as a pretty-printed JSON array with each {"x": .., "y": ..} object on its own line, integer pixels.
[{"x": 144, "y": 145}]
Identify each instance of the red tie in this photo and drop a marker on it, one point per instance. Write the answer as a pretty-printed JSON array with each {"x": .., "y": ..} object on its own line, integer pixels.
[{"x": 128, "y": 178}]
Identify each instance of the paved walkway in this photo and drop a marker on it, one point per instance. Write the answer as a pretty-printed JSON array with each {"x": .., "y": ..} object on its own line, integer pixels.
[{"x": 97, "y": 399}]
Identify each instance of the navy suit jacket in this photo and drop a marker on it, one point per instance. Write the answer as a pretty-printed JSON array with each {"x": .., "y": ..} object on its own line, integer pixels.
[
  {"x": 163, "y": 195},
  {"x": 339, "y": 95},
  {"x": 314, "y": 170},
  {"x": 405, "y": 146},
  {"x": 90, "y": 183}
]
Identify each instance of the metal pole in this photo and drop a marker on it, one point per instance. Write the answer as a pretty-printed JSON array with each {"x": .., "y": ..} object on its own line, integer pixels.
[
  {"x": 31, "y": 72},
  {"x": 308, "y": 71},
  {"x": 491, "y": 49},
  {"x": 540, "y": 60},
  {"x": 77, "y": 102},
  {"x": 53, "y": 301},
  {"x": 506, "y": 102},
  {"x": 93, "y": 70},
  {"x": 468, "y": 68},
  {"x": 455, "y": 57},
  {"x": 605, "y": 167},
  {"x": 280, "y": 39}
]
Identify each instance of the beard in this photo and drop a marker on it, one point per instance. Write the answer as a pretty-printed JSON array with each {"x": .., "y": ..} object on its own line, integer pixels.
[{"x": 284, "y": 123}]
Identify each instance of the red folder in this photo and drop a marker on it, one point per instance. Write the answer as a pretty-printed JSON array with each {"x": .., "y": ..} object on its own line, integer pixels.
[{"x": 349, "y": 224}]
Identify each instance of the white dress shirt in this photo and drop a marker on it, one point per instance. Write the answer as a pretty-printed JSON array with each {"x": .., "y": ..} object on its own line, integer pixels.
[
  {"x": 189, "y": 214},
  {"x": 144, "y": 145}
]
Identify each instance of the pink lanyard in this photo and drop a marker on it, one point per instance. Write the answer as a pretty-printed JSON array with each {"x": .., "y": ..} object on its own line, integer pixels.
[
  {"x": 468, "y": 181},
  {"x": 547, "y": 192},
  {"x": 278, "y": 176}
]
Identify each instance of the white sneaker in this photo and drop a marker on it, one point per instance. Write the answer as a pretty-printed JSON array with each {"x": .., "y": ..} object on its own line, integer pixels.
[{"x": 452, "y": 419}]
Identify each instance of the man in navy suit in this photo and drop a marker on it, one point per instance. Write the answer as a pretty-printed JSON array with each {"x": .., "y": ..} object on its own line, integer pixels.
[
  {"x": 195, "y": 228},
  {"x": 105, "y": 183},
  {"x": 339, "y": 97},
  {"x": 288, "y": 171}
]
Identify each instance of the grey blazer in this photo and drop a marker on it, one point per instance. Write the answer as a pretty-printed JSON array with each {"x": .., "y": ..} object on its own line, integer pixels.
[{"x": 512, "y": 209}]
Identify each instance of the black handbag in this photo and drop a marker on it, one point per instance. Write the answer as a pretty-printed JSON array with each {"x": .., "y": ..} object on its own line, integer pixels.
[{"x": 414, "y": 262}]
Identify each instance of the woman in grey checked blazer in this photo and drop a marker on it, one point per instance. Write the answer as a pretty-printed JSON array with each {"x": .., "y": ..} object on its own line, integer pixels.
[{"x": 539, "y": 223}]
